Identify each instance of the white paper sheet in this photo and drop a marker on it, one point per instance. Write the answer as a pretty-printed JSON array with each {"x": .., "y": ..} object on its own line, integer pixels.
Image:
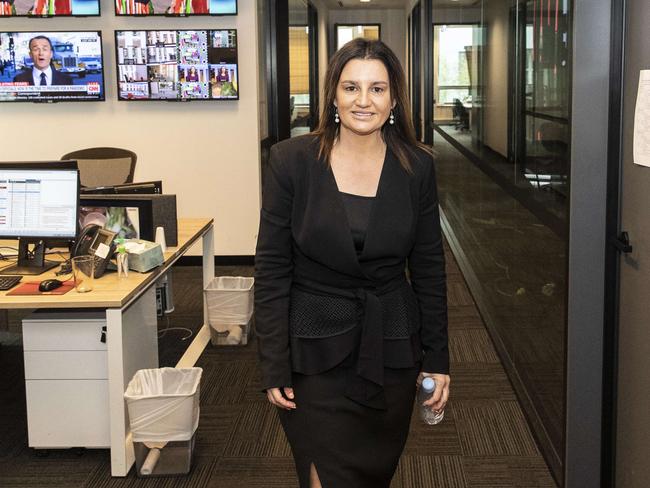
[
  {"x": 642, "y": 121},
  {"x": 102, "y": 250}
]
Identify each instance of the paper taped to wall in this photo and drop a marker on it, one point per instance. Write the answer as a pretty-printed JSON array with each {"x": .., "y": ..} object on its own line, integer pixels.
[{"x": 642, "y": 120}]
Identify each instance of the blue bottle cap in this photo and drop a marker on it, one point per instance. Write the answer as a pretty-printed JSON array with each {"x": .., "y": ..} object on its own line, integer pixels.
[{"x": 428, "y": 384}]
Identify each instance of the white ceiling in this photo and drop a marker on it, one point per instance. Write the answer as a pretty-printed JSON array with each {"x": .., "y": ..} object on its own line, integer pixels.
[{"x": 356, "y": 4}]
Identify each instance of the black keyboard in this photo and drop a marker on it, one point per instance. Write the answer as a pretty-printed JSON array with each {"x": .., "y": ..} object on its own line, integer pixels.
[{"x": 8, "y": 282}]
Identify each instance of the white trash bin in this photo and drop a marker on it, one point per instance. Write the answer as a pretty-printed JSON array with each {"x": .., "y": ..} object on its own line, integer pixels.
[
  {"x": 230, "y": 309},
  {"x": 163, "y": 407}
]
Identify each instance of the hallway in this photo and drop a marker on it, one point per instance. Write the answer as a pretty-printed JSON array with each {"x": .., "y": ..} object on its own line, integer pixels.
[{"x": 484, "y": 441}]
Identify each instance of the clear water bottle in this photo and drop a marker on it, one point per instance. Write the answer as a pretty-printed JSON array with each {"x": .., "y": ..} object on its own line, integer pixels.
[{"x": 425, "y": 392}]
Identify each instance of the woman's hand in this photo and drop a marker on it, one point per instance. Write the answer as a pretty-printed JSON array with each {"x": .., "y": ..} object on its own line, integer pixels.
[
  {"x": 276, "y": 398},
  {"x": 438, "y": 400}
]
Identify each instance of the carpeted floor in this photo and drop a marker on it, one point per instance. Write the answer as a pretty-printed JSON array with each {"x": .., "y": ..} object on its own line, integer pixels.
[{"x": 484, "y": 441}]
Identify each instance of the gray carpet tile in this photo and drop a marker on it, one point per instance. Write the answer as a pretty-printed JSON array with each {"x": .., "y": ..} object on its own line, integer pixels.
[
  {"x": 200, "y": 474},
  {"x": 493, "y": 427},
  {"x": 464, "y": 316},
  {"x": 257, "y": 434},
  {"x": 254, "y": 473},
  {"x": 216, "y": 425},
  {"x": 430, "y": 472},
  {"x": 471, "y": 346},
  {"x": 457, "y": 293},
  {"x": 430, "y": 440},
  {"x": 478, "y": 382},
  {"x": 230, "y": 380},
  {"x": 506, "y": 472}
]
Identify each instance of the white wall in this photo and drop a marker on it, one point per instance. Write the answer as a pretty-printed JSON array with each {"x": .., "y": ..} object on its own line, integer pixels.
[
  {"x": 393, "y": 26},
  {"x": 207, "y": 153}
]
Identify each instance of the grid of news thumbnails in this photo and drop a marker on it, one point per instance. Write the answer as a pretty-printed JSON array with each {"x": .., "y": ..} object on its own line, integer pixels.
[
  {"x": 67, "y": 8},
  {"x": 177, "y": 64}
]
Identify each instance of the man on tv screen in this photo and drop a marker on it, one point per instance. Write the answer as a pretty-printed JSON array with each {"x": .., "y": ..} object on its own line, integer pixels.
[{"x": 43, "y": 73}]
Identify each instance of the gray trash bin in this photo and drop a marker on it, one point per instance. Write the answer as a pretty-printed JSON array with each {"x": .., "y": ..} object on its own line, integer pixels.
[
  {"x": 230, "y": 309},
  {"x": 163, "y": 407}
]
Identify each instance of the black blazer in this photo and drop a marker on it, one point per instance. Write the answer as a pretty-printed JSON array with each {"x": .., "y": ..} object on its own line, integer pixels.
[
  {"x": 304, "y": 237},
  {"x": 58, "y": 78}
]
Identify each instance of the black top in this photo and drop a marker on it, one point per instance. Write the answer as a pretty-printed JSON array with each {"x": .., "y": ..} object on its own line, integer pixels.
[
  {"x": 317, "y": 300},
  {"x": 358, "y": 208}
]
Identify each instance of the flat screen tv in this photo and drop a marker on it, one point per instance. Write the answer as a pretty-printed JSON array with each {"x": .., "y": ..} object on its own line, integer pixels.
[
  {"x": 177, "y": 65},
  {"x": 176, "y": 7},
  {"x": 51, "y": 66},
  {"x": 49, "y": 8}
]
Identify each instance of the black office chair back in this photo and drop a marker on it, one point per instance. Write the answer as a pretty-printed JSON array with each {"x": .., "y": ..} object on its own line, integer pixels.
[
  {"x": 553, "y": 138},
  {"x": 104, "y": 166}
]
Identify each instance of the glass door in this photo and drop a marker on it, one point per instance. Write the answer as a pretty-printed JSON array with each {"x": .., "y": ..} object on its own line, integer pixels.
[
  {"x": 415, "y": 73},
  {"x": 500, "y": 83},
  {"x": 299, "y": 68},
  {"x": 545, "y": 136}
]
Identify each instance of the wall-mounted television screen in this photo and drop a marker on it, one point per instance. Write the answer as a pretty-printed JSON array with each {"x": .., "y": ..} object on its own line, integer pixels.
[
  {"x": 51, "y": 66},
  {"x": 48, "y": 8},
  {"x": 175, "y": 7},
  {"x": 177, "y": 65}
]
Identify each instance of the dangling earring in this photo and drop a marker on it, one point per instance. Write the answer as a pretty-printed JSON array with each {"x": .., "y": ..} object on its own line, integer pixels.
[
  {"x": 336, "y": 116},
  {"x": 391, "y": 119}
]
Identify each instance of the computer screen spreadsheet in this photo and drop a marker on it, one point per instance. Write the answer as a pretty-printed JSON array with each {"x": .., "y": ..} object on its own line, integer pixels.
[{"x": 37, "y": 202}]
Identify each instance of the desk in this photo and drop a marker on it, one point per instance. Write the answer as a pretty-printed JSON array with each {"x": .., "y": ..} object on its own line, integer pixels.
[{"x": 131, "y": 334}]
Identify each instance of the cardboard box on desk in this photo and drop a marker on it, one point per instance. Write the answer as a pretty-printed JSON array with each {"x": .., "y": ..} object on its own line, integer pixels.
[{"x": 143, "y": 255}]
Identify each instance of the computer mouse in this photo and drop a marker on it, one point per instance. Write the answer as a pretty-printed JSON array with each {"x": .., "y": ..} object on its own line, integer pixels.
[{"x": 49, "y": 285}]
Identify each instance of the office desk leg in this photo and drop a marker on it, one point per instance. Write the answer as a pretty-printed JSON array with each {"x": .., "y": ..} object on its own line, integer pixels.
[
  {"x": 132, "y": 341},
  {"x": 208, "y": 267}
]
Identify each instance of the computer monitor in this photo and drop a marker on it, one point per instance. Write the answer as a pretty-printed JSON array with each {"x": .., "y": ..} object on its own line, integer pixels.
[{"x": 39, "y": 201}]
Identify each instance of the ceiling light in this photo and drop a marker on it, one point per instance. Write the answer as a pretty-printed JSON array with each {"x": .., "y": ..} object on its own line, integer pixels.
[{"x": 364, "y": 1}]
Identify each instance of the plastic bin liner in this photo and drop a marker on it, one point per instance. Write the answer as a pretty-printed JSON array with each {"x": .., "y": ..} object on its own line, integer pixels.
[
  {"x": 163, "y": 404},
  {"x": 230, "y": 300}
]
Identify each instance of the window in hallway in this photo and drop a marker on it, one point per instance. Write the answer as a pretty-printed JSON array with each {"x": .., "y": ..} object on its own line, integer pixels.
[
  {"x": 452, "y": 93},
  {"x": 453, "y": 73},
  {"x": 346, "y": 32}
]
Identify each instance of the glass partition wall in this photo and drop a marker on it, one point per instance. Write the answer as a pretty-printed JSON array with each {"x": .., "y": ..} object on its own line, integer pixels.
[
  {"x": 303, "y": 92},
  {"x": 501, "y": 87}
]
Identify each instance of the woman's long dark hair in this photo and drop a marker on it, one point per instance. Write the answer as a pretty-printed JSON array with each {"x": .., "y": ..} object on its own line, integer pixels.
[{"x": 400, "y": 136}]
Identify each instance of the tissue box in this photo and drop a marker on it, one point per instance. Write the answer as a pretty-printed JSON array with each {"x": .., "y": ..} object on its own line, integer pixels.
[{"x": 146, "y": 259}]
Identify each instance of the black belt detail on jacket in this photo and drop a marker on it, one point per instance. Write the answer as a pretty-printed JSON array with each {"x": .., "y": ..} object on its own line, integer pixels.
[
  {"x": 370, "y": 364},
  {"x": 365, "y": 384}
]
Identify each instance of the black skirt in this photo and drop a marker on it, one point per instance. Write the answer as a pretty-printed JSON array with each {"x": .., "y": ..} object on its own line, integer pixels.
[{"x": 351, "y": 445}]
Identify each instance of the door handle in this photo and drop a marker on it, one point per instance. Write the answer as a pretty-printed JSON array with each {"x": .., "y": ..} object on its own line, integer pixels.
[{"x": 622, "y": 243}]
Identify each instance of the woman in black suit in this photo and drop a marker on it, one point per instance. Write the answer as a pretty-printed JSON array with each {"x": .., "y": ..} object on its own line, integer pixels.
[{"x": 343, "y": 335}]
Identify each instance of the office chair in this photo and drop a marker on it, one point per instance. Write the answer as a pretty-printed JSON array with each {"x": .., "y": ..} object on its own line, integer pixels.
[
  {"x": 104, "y": 166},
  {"x": 548, "y": 169},
  {"x": 553, "y": 139},
  {"x": 460, "y": 114}
]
